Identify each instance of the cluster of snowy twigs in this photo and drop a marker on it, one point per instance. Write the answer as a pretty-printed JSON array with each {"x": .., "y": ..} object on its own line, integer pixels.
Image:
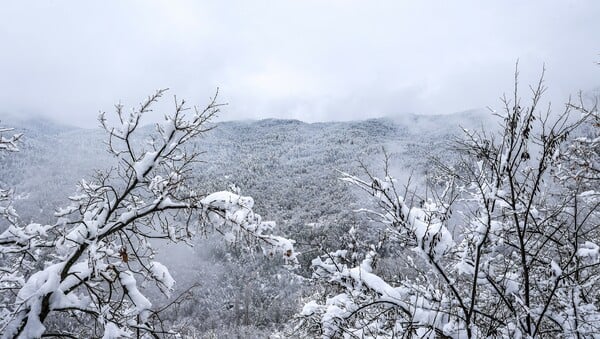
[{"x": 507, "y": 249}]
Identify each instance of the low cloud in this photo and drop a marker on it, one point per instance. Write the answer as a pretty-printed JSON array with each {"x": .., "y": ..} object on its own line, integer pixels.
[{"x": 310, "y": 60}]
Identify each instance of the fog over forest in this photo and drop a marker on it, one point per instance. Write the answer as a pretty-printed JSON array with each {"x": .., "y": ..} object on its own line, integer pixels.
[{"x": 314, "y": 169}]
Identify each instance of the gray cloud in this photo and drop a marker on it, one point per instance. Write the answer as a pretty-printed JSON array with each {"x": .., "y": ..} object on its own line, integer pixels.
[{"x": 310, "y": 60}]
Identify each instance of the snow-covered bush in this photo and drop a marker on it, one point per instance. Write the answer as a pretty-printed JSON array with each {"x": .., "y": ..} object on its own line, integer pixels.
[
  {"x": 505, "y": 246},
  {"x": 84, "y": 276}
]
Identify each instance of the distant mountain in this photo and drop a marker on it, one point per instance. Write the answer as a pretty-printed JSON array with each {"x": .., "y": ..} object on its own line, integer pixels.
[{"x": 34, "y": 126}]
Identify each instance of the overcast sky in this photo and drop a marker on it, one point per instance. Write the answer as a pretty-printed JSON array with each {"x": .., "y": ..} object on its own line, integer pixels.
[{"x": 309, "y": 60}]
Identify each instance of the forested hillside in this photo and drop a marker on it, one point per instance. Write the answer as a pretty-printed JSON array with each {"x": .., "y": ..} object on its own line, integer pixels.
[
  {"x": 291, "y": 168},
  {"x": 381, "y": 227},
  {"x": 280, "y": 162}
]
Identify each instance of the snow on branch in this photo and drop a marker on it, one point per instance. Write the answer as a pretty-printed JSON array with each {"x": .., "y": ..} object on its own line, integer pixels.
[
  {"x": 9, "y": 144},
  {"x": 234, "y": 217}
]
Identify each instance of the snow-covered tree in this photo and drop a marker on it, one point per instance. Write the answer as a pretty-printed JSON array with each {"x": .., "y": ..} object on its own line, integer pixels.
[
  {"x": 505, "y": 246},
  {"x": 7, "y": 144},
  {"x": 84, "y": 275},
  {"x": 9, "y": 277}
]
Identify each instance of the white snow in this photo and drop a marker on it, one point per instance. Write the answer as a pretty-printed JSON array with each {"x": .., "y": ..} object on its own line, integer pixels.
[
  {"x": 311, "y": 308},
  {"x": 143, "y": 165},
  {"x": 31, "y": 294},
  {"x": 112, "y": 331},
  {"x": 556, "y": 270},
  {"x": 141, "y": 303},
  {"x": 227, "y": 201},
  {"x": 161, "y": 273},
  {"x": 588, "y": 249}
]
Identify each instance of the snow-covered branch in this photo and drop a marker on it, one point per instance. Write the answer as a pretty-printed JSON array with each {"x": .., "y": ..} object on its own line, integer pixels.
[
  {"x": 508, "y": 248},
  {"x": 94, "y": 259},
  {"x": 9, "y": 144}
]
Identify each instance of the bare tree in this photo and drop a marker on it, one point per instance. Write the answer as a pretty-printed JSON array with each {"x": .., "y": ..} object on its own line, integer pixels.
[
  {"x": 80, "y": 277},
  {"x": 506, "y": 248}
]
